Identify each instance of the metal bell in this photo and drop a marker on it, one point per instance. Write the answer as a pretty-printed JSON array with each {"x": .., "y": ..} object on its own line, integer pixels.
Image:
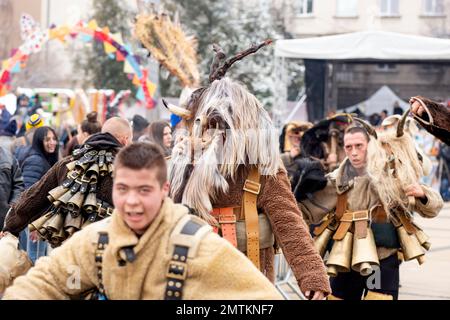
[
  {"x": 58, "y": 238},
  {"x": 74, "y": 204},
  {"x": 65, "y": 197},
  {"x": 104, "y": 170},
  {"x": 71, "y": 165},
  {"x": 90, "y": 203},
  {"x": 365, "y": 254},
  {"x": 340, "y": 256},
  {"x": 423, "y": 239},
  {"x": 410, "y": 246},
  {"x": 54, "y": 223},
  {"x": 321, "y": 241},
  {"x": 55, "y": 193},
  {"x": 73, "y": 222},
  {"x": 38, "y": 223}
]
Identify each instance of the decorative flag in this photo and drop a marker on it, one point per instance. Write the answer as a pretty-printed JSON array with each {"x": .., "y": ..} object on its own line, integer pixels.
[
  {"x": 136, "y": 81},
  {"x": 16, "y": 68},
  {"x": 119, "y": 56},
  {"x": 109, "y": 48},
  {"x": 86, "y": 38},
  {"x": 127, "y": 67},
  {"x": 151, "y": 88},
  {"x": 140, "y": 94},
  {"x": 92, "y": 25}
]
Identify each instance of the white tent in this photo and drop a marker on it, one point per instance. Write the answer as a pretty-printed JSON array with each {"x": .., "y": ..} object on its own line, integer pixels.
[
  {"x": 383, "y": 98},
  {"x": 366, "y": 45}
]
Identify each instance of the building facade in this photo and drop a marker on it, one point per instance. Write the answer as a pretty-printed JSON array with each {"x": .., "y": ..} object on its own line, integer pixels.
[{"x": 348, "y": 83}]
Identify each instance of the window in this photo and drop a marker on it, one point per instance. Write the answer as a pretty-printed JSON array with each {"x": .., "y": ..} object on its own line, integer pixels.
[
  {"x": 305, "y": 7},
  {"x": 433, "y": 7},
  {"x": 386, "y": 67},
  {"x": 346, "y": 8},
  {"x": 389, "y": 8}
]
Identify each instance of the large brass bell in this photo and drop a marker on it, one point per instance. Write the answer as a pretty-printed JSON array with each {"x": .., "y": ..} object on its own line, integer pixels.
[
  {"x": 74, "y": 204},
  {"x": 364, "y": 255},
  {"x": 90, "y": 203},
  {"x": 340, "y": 256},
  {"x": 322, "y": 240},
  {"x": 423, "y": 239},
  {"x": 55, "y": 193},
  {"x": 411, "y": 247}
]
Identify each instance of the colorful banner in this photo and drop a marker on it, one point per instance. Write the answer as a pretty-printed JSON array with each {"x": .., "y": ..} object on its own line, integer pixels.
[{"x": 34, "y": 38}]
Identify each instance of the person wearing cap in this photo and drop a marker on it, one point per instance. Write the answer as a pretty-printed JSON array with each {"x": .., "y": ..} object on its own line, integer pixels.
[
  {"x": 8, "y": 135},
  {"x": 34, "y": 122},
  {"x": 290, "y": 144}
]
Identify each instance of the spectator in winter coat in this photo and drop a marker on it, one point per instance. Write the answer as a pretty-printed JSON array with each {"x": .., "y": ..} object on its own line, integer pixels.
[{"x": 35, "y": 162}]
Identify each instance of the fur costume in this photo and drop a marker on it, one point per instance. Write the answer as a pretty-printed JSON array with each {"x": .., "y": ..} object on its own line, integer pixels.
[
  {"x": 228, "y": 133},
  {"x": 435, "y": 119},
  {"x": 217, "y": 271}
]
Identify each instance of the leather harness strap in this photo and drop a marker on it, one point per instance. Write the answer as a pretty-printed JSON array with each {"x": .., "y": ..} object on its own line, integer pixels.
[
  {"x": 341, "y": 205},
  {"x": 227, "y": 217},
  {"x": 227, "y": 222},
  {"x": 252, "y": 187}
]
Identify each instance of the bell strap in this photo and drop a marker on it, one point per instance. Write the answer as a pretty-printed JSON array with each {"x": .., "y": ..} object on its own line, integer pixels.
[
  {"x": 359, "y": 218},
  {"x": 227, "y": 222},
  {"x": 250, "y": 212}
]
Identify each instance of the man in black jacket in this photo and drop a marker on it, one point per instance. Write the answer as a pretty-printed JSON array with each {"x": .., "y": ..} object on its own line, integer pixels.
[{"x": 11, "y": 182}]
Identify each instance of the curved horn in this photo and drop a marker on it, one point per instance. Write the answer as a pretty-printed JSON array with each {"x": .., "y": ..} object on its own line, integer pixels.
[
  {"x": 181, "y": 112},
  {"x": 219, "y": 72},
  {"x": 424, "y": 106},
  {"x": 401, "y": 124},
  {"x": 368, "y": 127}
]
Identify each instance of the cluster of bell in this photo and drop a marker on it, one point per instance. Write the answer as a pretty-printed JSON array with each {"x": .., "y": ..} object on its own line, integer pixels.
[
  {"x": 65, "y": 218},
  {"x": 350, "y": 253},
  {"x": 413, "y": 245},
  {"x": 360, "y": 255}
]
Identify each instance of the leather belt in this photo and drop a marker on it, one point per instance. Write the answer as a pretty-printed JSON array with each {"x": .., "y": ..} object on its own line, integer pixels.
[{"x": 227, "y": 222}]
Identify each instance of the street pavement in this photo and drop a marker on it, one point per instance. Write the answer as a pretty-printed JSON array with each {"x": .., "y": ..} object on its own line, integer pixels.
[{"x": 429, "y": 281}]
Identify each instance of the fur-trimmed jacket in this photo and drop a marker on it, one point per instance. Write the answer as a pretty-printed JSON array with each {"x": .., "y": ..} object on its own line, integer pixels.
[
  {"x": 361, "y": 195},
  {"x": 218, "y": 271},
  {"x": 291, "y": 233}
]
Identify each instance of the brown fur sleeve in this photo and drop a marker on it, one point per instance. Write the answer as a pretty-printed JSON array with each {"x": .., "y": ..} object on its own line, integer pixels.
[
  {"x": 278, "y": 202},
  {"x": 441, "y": 120},
  {"x": 33, "y": 202}
]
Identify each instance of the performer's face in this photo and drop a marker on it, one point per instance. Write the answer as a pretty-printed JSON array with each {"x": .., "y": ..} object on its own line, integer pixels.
[
  {"x": 138, "y": 196},
  {"x": 355, "y": 146}
]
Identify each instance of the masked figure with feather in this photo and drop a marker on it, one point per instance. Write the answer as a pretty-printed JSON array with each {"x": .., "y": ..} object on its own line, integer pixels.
[{"x": 368, "y": 202}]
